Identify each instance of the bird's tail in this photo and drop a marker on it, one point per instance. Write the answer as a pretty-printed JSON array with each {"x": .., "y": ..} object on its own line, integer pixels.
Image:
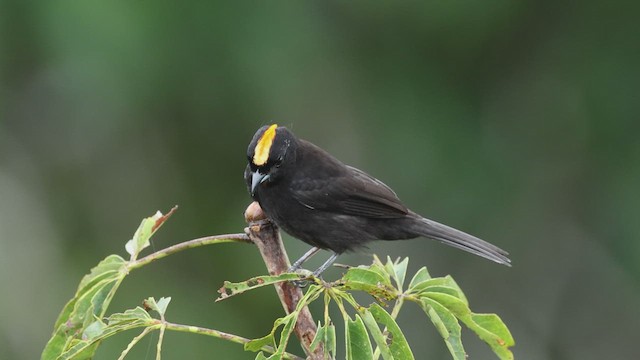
[{"x": 461, "y": 240}]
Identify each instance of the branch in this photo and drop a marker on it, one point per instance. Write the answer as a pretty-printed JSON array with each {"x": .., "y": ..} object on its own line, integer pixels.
[
  {"x": 266, "y": 236},
  {"x": 207, "y": 240},
  {"x": 221, "y": 335}
]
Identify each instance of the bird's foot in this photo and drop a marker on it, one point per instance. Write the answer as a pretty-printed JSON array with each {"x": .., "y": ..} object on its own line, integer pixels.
[{"x": 305, "y": 277}]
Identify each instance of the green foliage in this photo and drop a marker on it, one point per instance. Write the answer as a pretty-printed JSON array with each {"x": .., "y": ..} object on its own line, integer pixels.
[
  {"x": 79, "y": 327},
  {"x": 83, "y": 323},
  {"x": 441, "y": 299}
]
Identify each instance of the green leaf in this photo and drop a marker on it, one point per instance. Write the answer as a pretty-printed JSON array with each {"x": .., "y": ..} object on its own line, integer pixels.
[
  {"x": 85, "y": 347},
  {"x": 330, "y": 343},
  {"x": 452, "y": 283},
  {"x": 326, "y": 335},
  {"x": 452, "y": 303},
  {"x": 318, "y": 338},
  {"x": 162, "y": 305},
  {"x": 358, "y": 345},
  {"x": 495, "y": 325},
  {"x": 137, "y": 314},
  {"x": 111, "y": 268},
  {"x": 159, "y": 306},
  {"x": 380, "y": 268},
  {"x": 447, "y": 325},
  {"x": 257, "y": 344},
  {"x": 231, "y": 289},
  {"x": 105, "y": 268},
  {"x": 289, "y": 322},
  {"x": 90, "y": 302},
  {"x": 444, "y": 285},
  {"x": 261, "y": 356},
  {"x": 395, "y": 338},
  {"x": 491, "y": 329},
  {"x": 420, "y": 276},
  {"x": 369, "y": 281},
  {"x": 400, "y": 271},
  {"x": 396, "y": 270},
  {"x": 376, "y": 333},
  {"x": 147, "y": 228},
  {"x": 446, "y": 290},
  {"x": 93, "y": 330}
]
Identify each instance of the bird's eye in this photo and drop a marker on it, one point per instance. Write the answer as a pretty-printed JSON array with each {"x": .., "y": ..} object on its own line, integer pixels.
[{"x": 278, "y": 162}]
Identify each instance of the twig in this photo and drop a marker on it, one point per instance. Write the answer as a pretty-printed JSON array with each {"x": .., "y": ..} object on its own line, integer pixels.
[
  {"x": 221, "y": 335},
  {"x": 207, "y": 240},
  {"x": 267, "y": 238}
]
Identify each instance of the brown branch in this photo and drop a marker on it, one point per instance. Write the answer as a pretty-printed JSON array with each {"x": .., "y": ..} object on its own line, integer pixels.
[{"x": 266, "y": 236}]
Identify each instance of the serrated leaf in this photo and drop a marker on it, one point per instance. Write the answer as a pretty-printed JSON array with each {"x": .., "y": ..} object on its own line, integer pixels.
[
  {"x": 358, "y": 344},
  {"x": 395, "y": 338},
  {"x": 231, "y": 289},
  {"x": 447, "y": 325},
  {"x": 420, "y": 276}
]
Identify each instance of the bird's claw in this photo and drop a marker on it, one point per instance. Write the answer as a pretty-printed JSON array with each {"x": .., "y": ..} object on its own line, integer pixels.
[{"x": 300, "y": 283}]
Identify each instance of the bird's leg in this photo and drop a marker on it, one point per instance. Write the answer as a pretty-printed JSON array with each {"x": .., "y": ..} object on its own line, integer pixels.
[
  {"x": 304, "y": 283},
  {"x": 326, "y": 264},
  {"x": 296, "y": 265}
]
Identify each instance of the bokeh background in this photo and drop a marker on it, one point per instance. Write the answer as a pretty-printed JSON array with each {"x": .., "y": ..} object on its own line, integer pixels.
[{"x": 515, "y": 121}]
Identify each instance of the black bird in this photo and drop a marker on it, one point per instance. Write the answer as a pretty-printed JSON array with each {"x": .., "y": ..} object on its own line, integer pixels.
[{"x": 332, "y": 206}]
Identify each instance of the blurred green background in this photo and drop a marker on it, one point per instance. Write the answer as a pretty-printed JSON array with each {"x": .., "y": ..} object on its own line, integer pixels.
[{"x": 514, "y": 121}]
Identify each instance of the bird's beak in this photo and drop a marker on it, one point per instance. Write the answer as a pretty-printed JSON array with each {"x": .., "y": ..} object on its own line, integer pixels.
[{"x": 256, "y": 179}]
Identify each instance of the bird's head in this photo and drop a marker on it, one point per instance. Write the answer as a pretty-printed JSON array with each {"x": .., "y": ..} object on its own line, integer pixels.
[{"x": 271, "y": 148}]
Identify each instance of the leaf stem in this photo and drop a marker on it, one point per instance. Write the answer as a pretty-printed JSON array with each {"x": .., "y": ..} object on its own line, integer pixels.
[
  {"x": 222, "y": 335},
  {"x": 136, "y": 339},
  {"x": 159, "y": 344},
  {"x": 207, "y": 240}
]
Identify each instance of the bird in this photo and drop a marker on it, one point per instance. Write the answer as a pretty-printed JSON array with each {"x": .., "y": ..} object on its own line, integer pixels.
[{"x": 331, "y": 206}]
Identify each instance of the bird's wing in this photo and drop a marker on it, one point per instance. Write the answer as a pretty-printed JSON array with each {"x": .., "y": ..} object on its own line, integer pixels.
[{"x": 353, "y": 193}]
